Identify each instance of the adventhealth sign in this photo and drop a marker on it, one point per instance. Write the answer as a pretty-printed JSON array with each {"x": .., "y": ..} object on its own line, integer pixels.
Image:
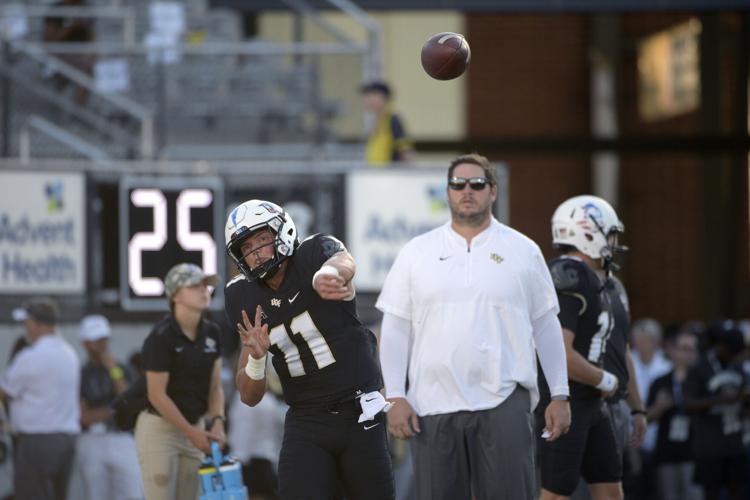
[
  {"x": 42, "y": 233},
  {"x": 385, "y": 209}
]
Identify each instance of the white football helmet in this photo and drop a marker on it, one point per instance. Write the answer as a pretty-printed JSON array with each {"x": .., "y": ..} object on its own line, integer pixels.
[
  {"x": 250, "y": 217},
  {"x": 589, "y": 224}
]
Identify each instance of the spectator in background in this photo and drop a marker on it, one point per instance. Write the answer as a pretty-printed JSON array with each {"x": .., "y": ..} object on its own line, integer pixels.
[
  {"x": 387, "y": 141},
  {"x": 649, "y": 363},
  {"x": 106, "y": 459},
  {"x": 73, "y": 30},
  {"x": 714, "y": 393},
  {"x": 182, "y": 361},
  {"x": 672, "y": 454},
  {"x": 648, "y": 356},
  {"x": 43, "y": 383}
]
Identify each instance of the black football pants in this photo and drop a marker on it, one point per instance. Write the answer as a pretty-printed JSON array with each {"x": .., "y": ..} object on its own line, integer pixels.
[{"x": 326, "y": 455}]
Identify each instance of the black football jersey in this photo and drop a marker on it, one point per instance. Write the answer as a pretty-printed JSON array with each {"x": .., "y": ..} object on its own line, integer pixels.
[
  {"x": 321, "y": 351},
  {"x": 717, "y": 432},
  {"x": 615, "y": 360},
  {"x": 586, "y": 310}
]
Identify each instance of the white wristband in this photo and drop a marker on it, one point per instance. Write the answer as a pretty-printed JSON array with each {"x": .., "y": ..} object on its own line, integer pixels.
[
  {"x": 256, "y": 368},
  {"x": 608, "y": 382},
  {"x": 326, "y": 269}
]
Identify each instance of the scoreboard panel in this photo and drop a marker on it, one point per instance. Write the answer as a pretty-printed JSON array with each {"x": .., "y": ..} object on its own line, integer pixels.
[{"x": 165, "y": 221}]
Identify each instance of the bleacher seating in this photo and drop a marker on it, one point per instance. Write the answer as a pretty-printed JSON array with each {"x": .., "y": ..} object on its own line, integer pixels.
[{"x": 279, "y": 99}]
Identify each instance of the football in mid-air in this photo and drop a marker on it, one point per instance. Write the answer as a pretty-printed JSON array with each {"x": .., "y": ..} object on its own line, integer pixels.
[{"x": 446, "y": 56}]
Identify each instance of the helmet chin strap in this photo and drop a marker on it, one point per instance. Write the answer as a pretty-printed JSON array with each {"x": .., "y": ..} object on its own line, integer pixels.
[{"x": 267, "y": 275}]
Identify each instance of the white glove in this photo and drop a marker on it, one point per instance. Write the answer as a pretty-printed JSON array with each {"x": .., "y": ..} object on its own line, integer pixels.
[{"x": 372, "y": 403}]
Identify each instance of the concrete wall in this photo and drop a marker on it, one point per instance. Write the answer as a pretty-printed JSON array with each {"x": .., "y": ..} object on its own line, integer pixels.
[{"x": 431, "y": 109}]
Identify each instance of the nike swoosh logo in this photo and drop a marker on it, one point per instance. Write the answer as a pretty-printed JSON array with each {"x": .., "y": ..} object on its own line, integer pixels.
[
  {"x": 444, "y": 258},
  {"x": 367, "y": 428},
  {"x": 295, "y": 296},
  {"x": 371, "y": 399}
]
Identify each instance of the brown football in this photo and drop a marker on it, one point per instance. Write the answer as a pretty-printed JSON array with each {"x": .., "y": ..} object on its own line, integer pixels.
[{"x": 446, "y": 56}]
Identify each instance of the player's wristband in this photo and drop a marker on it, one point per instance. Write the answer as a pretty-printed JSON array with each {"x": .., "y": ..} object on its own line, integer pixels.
[
  {"x": 326, "y": 269},
  {"x": 638, "y": 412},
  {"x": 256, "y": 368},
  {"x": 116, "y": 373},
  {"x": 608, "y": 382},
  {"x": 213, "y": 420}
]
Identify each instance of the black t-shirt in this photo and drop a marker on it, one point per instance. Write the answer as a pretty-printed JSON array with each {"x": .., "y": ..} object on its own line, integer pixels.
[
  {"x": 189, "y": 363},
  {"x": 584, "y": 310},
  {"x": 673, "y": 436},
  {"x": 97, "y": 386},
  {"x": 321, "y": 351},
  {"x": 615, "y": 360},
  {"x": 717, "y": 432}
]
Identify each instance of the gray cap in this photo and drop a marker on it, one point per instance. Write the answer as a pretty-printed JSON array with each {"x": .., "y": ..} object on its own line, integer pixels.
[
  {"x": 185, "y": 275},
  {"x": 43, "y": 310}
]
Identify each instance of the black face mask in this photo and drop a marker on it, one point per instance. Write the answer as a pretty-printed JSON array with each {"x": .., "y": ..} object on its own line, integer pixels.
[{"x": 267, "y": 270}]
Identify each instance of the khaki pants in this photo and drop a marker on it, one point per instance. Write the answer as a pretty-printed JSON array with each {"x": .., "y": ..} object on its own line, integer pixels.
[{"x": 169, "y": 461}]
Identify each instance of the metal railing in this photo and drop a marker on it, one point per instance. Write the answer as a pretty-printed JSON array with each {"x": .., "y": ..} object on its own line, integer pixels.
[
  {"x": 60, "y": 135},
  {"x": 125, "y": 15},
  {"x": 149, "y": 110},
  {"x": 119, "y": 103}
]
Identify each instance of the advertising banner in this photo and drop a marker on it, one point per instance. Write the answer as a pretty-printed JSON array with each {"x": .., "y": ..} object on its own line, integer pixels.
[
  {"x": 385, "y": 209},
  {"x": 42, "y": 233}
]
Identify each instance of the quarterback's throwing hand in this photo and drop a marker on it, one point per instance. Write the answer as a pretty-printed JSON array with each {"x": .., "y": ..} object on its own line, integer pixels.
[
  {"x": 333, "y": 287},
  {"x": 254, "y": 336}
]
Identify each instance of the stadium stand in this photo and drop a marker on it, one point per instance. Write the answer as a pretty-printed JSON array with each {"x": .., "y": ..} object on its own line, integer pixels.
[{"x": 165, "y": 80}]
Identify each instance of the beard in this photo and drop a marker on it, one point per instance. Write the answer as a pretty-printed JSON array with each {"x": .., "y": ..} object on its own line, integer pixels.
[{"x": 473, "y": 217}]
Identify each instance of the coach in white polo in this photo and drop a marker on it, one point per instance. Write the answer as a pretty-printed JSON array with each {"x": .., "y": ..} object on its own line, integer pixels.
[
  {"x": 467, "y": 308},
  {"x": 42, "y": 383}
]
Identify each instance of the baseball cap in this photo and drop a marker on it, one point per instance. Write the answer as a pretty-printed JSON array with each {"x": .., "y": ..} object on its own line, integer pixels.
[
  {"x": 185, "y": 275},
  {"x": 43, "y": 310},
  {"x": 94, "y": 327}
]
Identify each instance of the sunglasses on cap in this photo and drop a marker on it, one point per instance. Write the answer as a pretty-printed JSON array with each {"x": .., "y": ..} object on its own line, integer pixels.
[{"x": 475, "y": 183}]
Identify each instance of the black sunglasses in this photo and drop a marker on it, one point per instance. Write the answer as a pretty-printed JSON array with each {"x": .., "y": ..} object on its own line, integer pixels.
[{"x": 475, "y": 183}]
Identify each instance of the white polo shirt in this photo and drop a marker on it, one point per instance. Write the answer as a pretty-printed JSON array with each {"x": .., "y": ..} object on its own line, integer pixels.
[
  {"x": 470, "y": 310},
  {"x": 43, "y": 382}
]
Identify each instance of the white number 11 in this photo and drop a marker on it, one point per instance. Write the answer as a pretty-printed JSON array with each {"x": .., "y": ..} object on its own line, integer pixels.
[{"x": 301, "y": 325}]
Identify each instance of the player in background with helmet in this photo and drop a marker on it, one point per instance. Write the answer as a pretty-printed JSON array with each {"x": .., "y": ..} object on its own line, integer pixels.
[
  {"x": 716, "y": 399},
  {"x": 585, "y": 229},
  {"x": 297, "y": 301},
  {"x": 467, "y": 308}
]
